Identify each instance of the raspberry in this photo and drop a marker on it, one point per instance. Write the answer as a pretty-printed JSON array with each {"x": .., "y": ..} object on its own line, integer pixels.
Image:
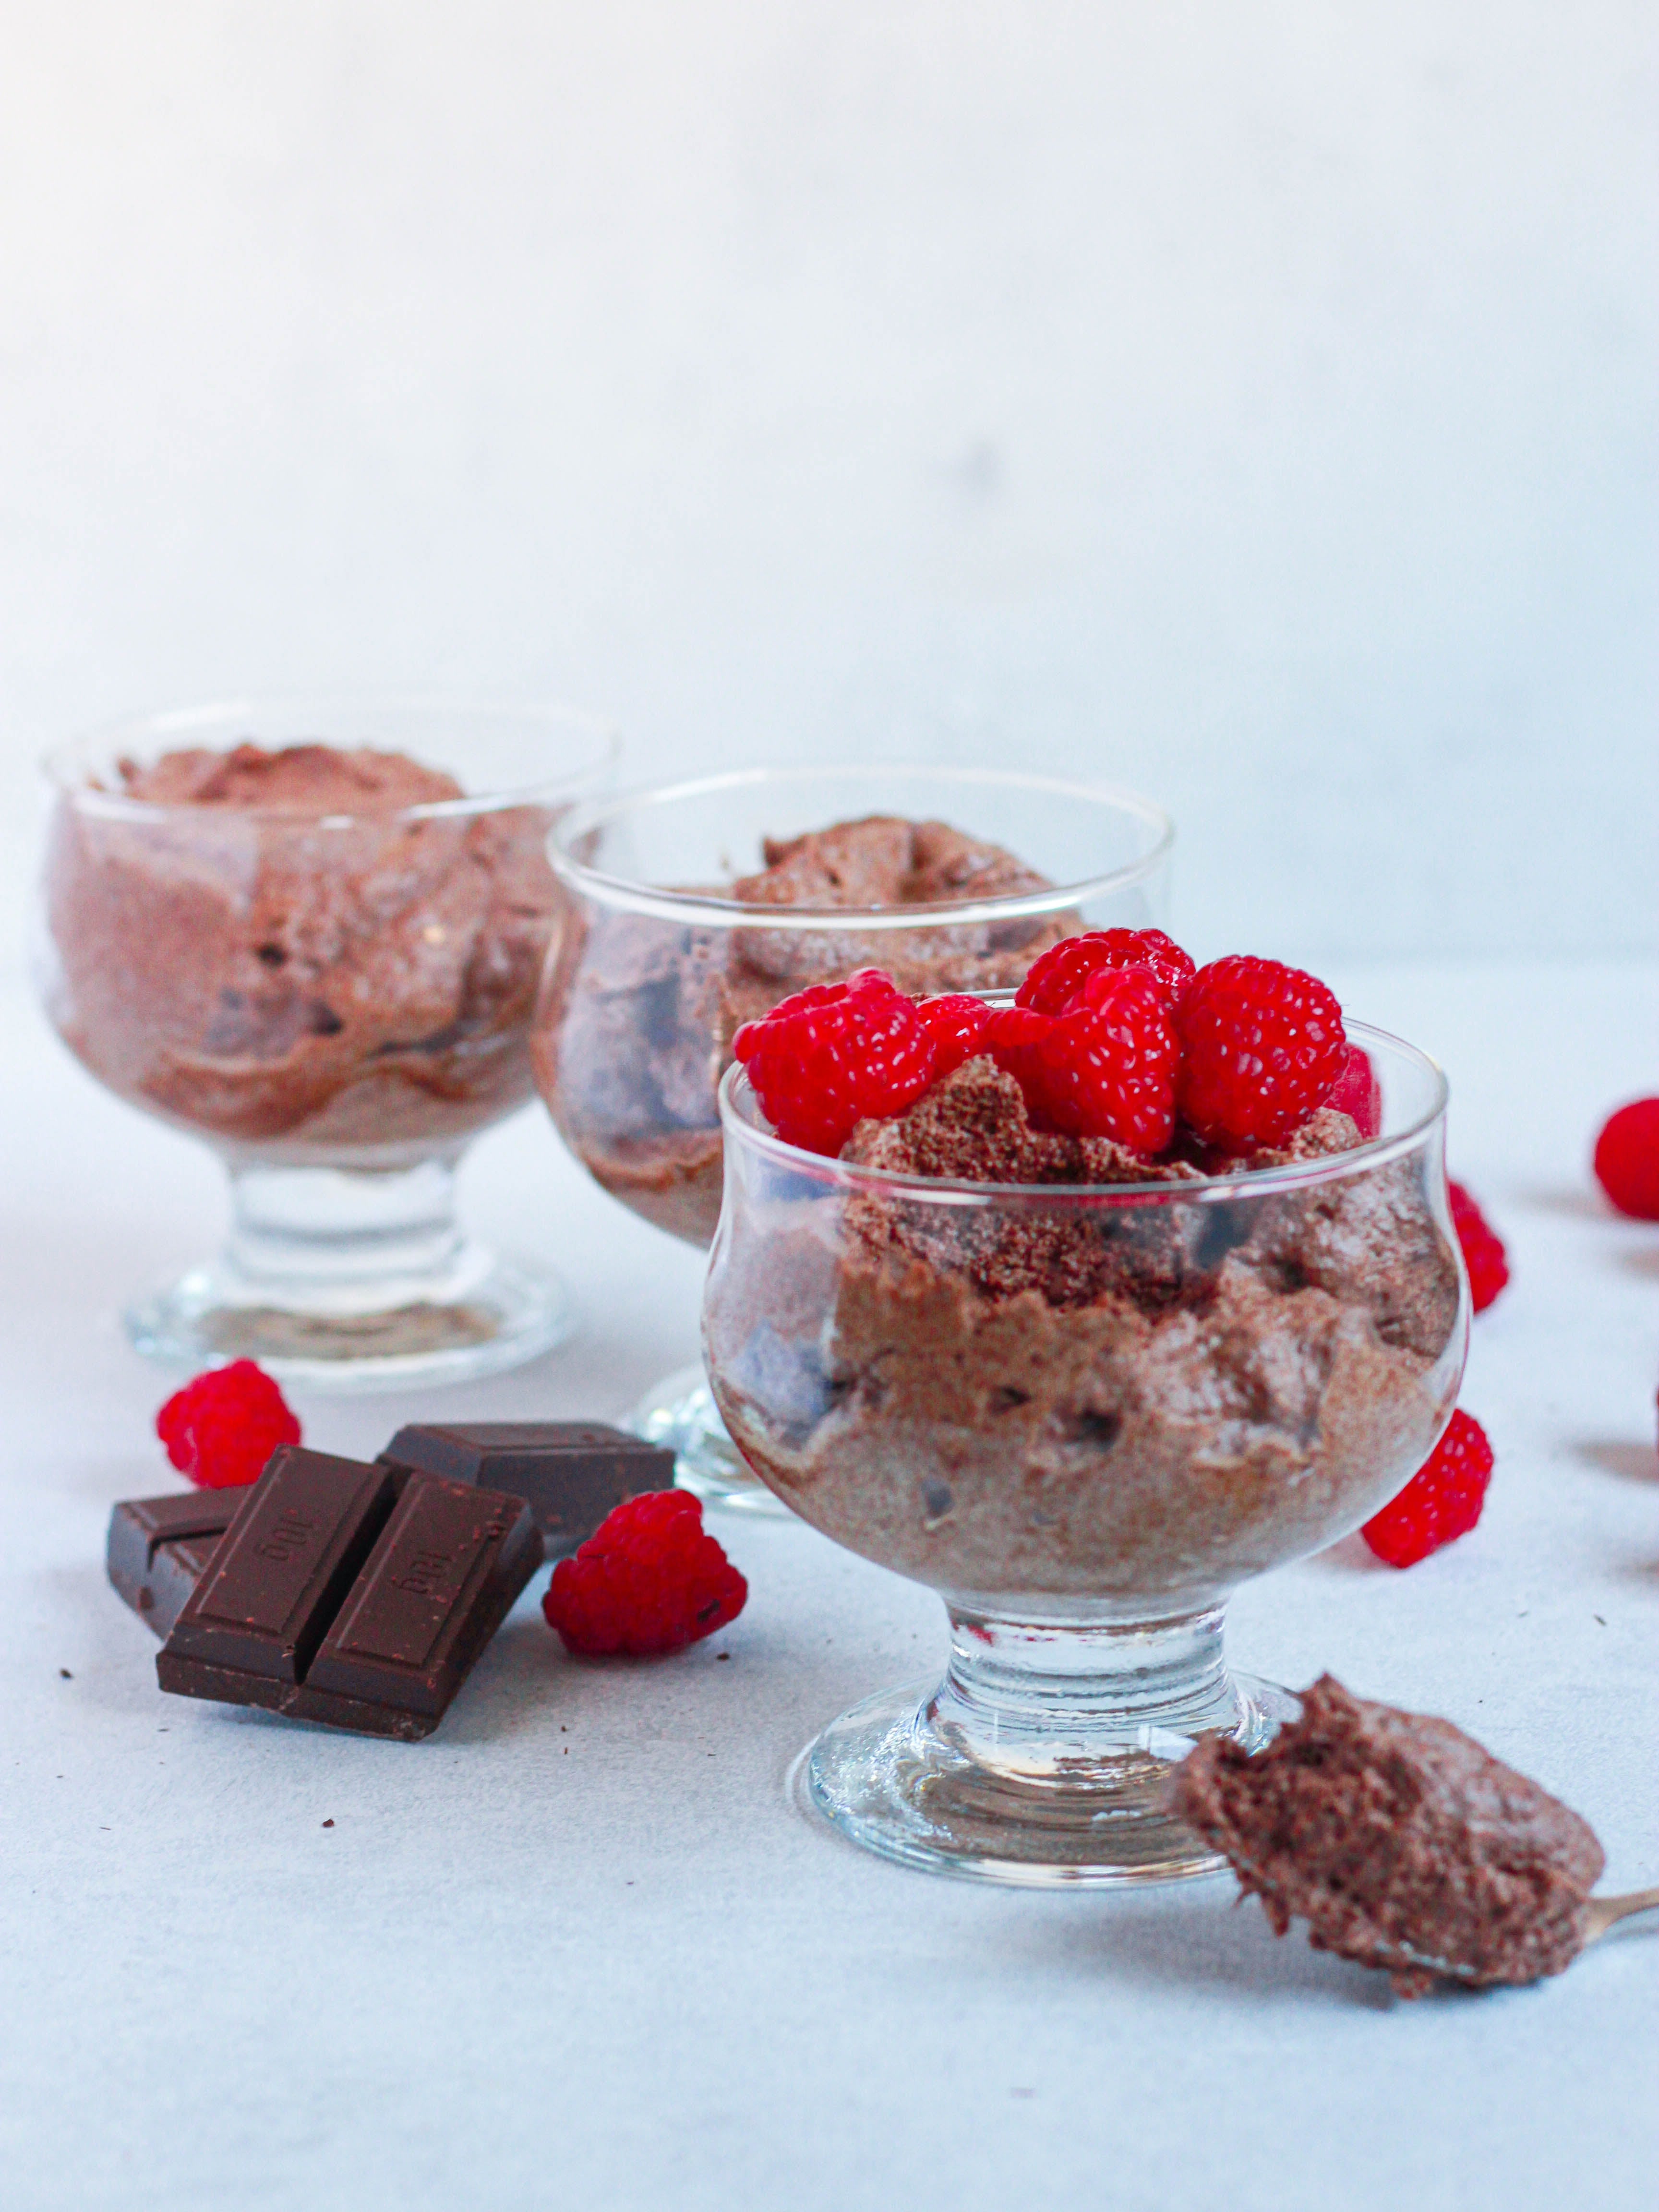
[
  {"x": 1483, "y": 1248},
  {"x": 1107, "y": 1067},
  {"x": 1012, "y": 1036},
  {"x": 221, "y": 1429},
  {"x": 1627, "y": 1159},
  {"x": 1358, "y": 1094},
  {"x": 648, "y": 1580},
  {"x": 957, "y": 1025},
  {"x": 827, "y": 1057},
  {"x": 1262, "y": 1050},
  {"x": 1056, "y": 977},
  {"x": 1442, "y": 1501}
]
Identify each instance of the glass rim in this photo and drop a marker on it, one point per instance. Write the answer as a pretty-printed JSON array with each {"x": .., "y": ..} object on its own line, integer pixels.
[
  {"x": 1202, "y": 1190},
  {"x": 630, "y": 895},
  {"x": 65, "y": 763}
]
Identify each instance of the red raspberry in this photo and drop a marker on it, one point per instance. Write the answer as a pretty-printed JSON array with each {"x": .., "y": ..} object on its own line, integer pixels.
[
  {"x": 957, "y": 1025},
  {"x": 1627, "y": 1159},
  {"x": 648, "y": 1580},
  {"x": 827, "y": 1057},
  {"x": 1012, "y": 1036},
  {"x": 221, "y": 1429},
  {"x": 1483, "y": 1248},
  {"x": 1059, "y": 973},
  {"x": 1261, "y": 1048},
  {"x": 1442, "y": 1501},
  {"x": 1107, "y": 1067},
  {"x": 1358, "y": 1094}
]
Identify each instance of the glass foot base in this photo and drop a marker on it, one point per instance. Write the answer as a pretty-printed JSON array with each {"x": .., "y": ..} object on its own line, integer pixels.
[
  {"x": 681, "y": 1413},
  {"x": 891, "y": 1778},
  {"x": 478, "y": 1315}
]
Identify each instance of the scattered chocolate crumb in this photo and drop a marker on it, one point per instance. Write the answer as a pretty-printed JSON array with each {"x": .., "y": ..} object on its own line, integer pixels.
[
  {"x": 328, "y": 1823},
  {"x": 66, "y": 1674},
  {"x": 727, "y": 1654}
]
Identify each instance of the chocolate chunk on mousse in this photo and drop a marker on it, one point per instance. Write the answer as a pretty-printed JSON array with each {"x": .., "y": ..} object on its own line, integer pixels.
[
  {"x": 1402, "y": 1843},
  {"x": 973, "y": 1127}
]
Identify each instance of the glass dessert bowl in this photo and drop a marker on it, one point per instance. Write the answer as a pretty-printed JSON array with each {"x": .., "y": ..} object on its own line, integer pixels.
[
  {"x": 286, "y": 927},
  {"x": 697, "y": 907},
  {"x": 1083, "y": 1414}
]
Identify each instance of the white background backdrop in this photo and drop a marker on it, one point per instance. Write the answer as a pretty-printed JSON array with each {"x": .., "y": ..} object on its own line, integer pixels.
[{"x": 1254, "y": 405}]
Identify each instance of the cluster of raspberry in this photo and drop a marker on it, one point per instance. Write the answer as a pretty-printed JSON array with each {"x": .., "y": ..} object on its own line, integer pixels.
[{"x": 1117, "y": 1033}]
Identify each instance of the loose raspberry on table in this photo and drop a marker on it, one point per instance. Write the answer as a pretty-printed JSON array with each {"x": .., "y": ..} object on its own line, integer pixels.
[
  {"x": 957, "y": 1025},
  {"x": 823, "y": 1060},
  {"x": 221, "y": 1429},
  {"x": 649, "y": 1580},
  {"x": 1358, "y": 1094},
  {"x": 1261, "y": 1048},
  {"x": 1107, "y": 1067},
  {"x": 1058, "y": 974},
  {"x": 1627, "y": 1159},
  {"x": 1442, "y": 1501},
  {"x": 1483, "y": 1248}
]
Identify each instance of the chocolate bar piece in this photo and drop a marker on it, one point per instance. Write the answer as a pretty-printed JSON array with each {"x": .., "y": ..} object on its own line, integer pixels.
[
  {"x": 573, "y": 1473},
  {"x": 158, "y": 1548},
  {"x": 345, "y": 1595}
]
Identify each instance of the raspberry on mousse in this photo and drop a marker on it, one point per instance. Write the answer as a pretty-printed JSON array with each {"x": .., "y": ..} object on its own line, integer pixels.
[
  {"x": 1055, "y": 979},
  {"x": 831, "y": 1055},
  {"x": 1115, "y": 1035},
  {"x": 1262, "y": 1050}
]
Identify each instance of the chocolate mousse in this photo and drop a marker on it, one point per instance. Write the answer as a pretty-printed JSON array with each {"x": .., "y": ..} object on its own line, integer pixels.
[
  {"x": 637, "y": 1027},
  {"x": 1400, "y": 1841},
  {"x": 281, "y": 949},
  {"x": 1040, "y": 1387}
]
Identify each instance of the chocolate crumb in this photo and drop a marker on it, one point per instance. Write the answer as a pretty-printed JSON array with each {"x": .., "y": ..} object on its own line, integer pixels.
[
  {"x": 66, "y": 1674},
  {"x": 328, "y": 1823}
]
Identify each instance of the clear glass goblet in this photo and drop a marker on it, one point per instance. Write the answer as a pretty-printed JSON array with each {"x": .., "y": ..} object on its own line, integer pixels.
[
  {"x": 666, "y": 947},
  {"x": 1084, "y": 1416},
  {"x": 332, "y": 985}
]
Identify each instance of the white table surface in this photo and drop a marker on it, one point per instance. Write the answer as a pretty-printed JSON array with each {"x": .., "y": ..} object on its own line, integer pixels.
[{"x": 579, "y": 1950}]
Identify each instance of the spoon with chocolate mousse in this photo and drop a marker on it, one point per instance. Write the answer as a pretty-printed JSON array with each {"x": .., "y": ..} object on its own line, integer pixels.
[{"x": 1404, "y": 1845}]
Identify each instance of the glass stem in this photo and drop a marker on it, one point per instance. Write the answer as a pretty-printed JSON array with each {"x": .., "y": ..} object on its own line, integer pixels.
[
  {"x": 333, "y": 1225},
  {"x": 1043, "y": 1700}
]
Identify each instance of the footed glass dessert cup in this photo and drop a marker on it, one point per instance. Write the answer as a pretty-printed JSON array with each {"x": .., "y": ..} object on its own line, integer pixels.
[
  {"x": 694, "y": 907},
  {"x": 1083, "y": 1415},
  {"x": 310, "y": 932}
]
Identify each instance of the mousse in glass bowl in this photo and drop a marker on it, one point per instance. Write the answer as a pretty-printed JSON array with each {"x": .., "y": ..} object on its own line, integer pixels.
[
  {"x": 694, "y": 907},
  {"x": 1083, "y": 1394},
  {"x": 310, "y": 932}
]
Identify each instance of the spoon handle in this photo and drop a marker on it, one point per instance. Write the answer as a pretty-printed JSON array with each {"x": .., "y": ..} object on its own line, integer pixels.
[{"x": 1605, "y": 1912}]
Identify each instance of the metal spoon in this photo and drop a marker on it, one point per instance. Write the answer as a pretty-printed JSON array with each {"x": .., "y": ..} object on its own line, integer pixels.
[{"x": 1605, "y": 1912}]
